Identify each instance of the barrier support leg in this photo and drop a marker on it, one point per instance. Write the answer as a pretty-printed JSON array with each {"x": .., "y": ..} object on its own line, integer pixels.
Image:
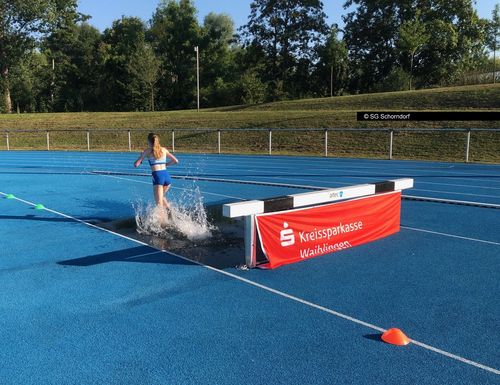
[{"x": 250, "y": 241}]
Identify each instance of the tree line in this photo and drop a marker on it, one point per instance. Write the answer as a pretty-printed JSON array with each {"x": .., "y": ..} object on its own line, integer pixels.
[{"x": 53, "y": 59}]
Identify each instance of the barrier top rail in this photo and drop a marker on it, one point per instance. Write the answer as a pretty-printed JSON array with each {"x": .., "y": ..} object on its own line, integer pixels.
[{"x": 287, "y": 202}]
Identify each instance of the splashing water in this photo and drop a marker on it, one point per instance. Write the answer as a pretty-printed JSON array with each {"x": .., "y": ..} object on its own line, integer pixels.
[{"x": 186, "y": 217}]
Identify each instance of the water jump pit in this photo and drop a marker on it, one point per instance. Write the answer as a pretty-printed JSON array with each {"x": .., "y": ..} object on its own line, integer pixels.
[{"x": 204, "y": 235}]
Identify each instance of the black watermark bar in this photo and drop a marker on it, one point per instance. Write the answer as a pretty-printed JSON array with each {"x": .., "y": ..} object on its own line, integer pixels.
[{"x": 401, "y": 116}]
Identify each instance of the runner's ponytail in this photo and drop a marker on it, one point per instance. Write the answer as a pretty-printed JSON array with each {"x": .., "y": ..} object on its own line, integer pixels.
[{"x": 154, "y": 141}]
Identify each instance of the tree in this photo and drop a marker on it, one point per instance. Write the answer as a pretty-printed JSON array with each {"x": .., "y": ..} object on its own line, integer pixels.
[
  {"x": 493, "y": 40},
  {"x": 20, "y": 22},
  {"x": 173, "y": 34},
  {"x": 74, "y": 50},
  {"x": 30, "y": 83},
  {"x": 332, "y": 68},
  {"x": 218, "y": 72},
  {"x": 412, "y": 37},
  {"x": 218, "y": 29},
  {"x": 369, "y": 34},
  {"x": 145, "y": 67},
  {"x": 123, "y": 84},
  {"x": 372, "y": 30},
  {"x": 287, "y": 31},
  {"x": 253, "y": 90}
]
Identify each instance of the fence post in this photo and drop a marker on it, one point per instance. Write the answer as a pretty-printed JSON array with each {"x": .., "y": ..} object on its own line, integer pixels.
[
  {"x": 173, "y": 140},
  {"x": 391, "y": 141},
  {"x": 326, "y": 141},
  {"x": 218, "y": 141},
  {"x": 88, "y": 140},
  {"x": 7, "y": 139},
  {"x": 467, "y": 147},
  {"x": 48, "y": 140},
  {"x": 270, "y": 141},
  {"x": 129, "y": 142}
]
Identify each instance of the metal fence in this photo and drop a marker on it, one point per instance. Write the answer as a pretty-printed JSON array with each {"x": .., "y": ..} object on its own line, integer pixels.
[{"x": 404, "y": 143}]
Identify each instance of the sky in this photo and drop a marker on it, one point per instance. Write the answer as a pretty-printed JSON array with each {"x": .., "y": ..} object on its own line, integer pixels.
[{"x": 103, "y": 12}]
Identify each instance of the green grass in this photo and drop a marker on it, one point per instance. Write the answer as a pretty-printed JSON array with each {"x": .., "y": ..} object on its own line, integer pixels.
[
  {"x": 456, "y": 98},
  {"x": 337, "y": 112}
]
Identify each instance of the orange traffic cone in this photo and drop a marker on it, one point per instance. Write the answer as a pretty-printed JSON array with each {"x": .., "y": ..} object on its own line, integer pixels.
[{"x": 395, "y": 337}]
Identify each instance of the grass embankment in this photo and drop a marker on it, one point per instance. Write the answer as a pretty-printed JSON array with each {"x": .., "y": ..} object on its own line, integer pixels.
[{"x": 337, "y": 112}]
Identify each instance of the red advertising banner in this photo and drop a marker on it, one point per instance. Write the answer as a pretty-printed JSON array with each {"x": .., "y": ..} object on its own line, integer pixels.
[{"x": 292, "y": 236}]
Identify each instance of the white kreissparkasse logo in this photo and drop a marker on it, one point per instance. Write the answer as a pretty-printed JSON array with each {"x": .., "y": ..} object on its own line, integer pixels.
[{"x": 287, "y": 237}]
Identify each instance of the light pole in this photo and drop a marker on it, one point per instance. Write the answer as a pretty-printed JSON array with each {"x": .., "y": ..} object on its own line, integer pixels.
[
  {"x": 197, "y": 50},
  {"x": 52, "y": 84},
  {"x": 331, "y": 81}
]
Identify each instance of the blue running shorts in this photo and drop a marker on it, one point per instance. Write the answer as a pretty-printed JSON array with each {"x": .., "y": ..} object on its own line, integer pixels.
[{"x": 161, "y": 178}]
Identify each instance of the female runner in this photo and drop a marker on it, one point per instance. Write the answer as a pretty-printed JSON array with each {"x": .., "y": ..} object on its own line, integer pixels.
[{"x": 157, "y": 157}]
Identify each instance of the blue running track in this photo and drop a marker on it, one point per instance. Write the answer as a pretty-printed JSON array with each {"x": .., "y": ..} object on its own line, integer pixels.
[{"x": 81, "y": 305}]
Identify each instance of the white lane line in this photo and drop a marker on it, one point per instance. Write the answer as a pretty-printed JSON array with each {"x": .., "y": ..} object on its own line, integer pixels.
[
  {"x": 126, "y": 258},
  {"x": 143, "y": 255},
  {"x": 281, "y": 293},
  {"x": 451, "y": 201},
  {"x": 325, "y": 185},
  {"x": 406, "y": 175},
  {"x": 349, "y": 167},
  {"x": 458, "y": 185},
  {"x": 457, "y": 193},
  {"x": 219, "y": 180},
  {"x": 456, "y": 357},
  {"x": 417, "y": 181},
  {"x": 291, "y": 179},
  {"x": 246, "y": 163},
  {"x": 451, "y": 235},
  {"x": 318, "y": 163},
  {"x": 404, "y": 172},
  {"x": 173, "y": 187}
]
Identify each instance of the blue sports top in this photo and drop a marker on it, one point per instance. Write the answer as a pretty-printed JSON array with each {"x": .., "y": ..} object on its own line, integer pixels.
[{"x": 154, "y": 161}]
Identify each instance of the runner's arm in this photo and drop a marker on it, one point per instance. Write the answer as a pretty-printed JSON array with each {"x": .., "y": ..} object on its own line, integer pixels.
[
  {"x": 173, "y": 160},
  {"x": 139, "y": 160}
]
